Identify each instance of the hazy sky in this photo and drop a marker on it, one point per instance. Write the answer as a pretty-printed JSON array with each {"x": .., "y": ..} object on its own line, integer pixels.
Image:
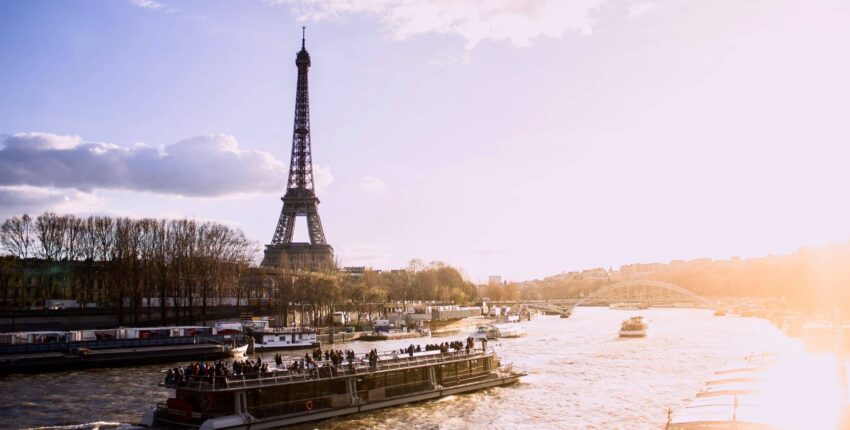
[{"x": 519, "y": 138}]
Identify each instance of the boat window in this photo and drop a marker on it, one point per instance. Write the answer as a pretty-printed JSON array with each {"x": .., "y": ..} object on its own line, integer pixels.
[
  {"x": 447, "y": 373},
  {"x": 272, "y": 395},
  {"x": 282, "y": 338},
  {"x": 338, "y": 386},
  {"x": 301, "y": 391},
  {"x": 323, "y": 388},
  {"x": 415, "y": 375},
  {"x": 395, "y": 379},
  {"x": 376, "y": 381}
]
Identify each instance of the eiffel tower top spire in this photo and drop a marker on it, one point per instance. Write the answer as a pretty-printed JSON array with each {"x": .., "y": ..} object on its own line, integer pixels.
[{"x": 301, "y": 166}]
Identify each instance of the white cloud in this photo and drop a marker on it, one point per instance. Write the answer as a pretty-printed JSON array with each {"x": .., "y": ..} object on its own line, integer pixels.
[
  {"x": 17, "y": 200},
  {"x": 519, "y": 21},
  {"x": 371, "y": 183},
  {"x": 152, "y": 5},
  {"x": 202, "y": 166},
  {"x": 640, "y": 9},
  {"x": 322, "y": 177}
]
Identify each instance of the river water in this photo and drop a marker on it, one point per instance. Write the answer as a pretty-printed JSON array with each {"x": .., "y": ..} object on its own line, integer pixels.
[{"x": 581, "y": 375}]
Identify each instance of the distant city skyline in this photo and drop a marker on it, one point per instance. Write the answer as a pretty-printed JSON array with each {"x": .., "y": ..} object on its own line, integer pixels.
[{"x": 517, "y": 139}]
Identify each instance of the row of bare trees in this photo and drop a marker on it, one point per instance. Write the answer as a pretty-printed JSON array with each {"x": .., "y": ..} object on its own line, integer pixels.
[
  {"x": 323, "y": 293},
  {"x": 436, "y": 281},
  {"x": 150, "y": 263},
  {"x": 144, "y": 267}
]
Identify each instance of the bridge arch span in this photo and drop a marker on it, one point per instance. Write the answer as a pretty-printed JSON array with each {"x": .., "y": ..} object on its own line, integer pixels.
[{"x": 645, "y": 283}]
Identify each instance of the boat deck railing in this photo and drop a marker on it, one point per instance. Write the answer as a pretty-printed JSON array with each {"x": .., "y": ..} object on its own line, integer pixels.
[{"x": 324, "y": 370}]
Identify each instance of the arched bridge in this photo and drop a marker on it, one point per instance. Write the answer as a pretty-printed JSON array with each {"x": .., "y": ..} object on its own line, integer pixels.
[{"x": 645, "y": 291}]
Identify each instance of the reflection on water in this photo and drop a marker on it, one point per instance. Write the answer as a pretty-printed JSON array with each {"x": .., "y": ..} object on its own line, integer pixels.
[{"x": 580, "y": 375}]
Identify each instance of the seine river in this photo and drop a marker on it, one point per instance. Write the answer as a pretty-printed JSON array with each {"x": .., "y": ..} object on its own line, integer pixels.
[{"x": 580, "y": 375}]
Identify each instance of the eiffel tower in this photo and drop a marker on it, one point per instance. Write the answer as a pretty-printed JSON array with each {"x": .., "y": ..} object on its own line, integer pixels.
[{"x": 300, "y": 198}]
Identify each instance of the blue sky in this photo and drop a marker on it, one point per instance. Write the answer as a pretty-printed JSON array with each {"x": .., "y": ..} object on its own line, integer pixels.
[{"x": 517, "y": 138}]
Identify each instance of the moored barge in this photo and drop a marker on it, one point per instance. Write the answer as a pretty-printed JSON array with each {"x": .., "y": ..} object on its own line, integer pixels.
[
  {"x": 282, "y": 397},
  {"x": 39, "y": 352}
]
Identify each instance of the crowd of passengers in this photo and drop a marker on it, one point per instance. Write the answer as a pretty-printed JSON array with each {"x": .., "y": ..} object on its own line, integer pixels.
[
  {"x": 457, "y": 346},
  {"x": 199, "y": 371},
  {"x": 316, "y": 364}
]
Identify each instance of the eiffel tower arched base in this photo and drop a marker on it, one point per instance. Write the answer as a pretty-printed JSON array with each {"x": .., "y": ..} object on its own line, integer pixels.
[{"x": 299, "y": 256}]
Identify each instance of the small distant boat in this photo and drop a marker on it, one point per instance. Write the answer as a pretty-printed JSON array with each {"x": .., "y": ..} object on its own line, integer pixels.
[
  {"x": 498, "y": 331},
  {"x": 627, "y": 306},
  {"x": 507, "y": 331},
  {"x": 634, "y": 327},
  {"x": 720, "y": 313},
  {"x": 487, "y": 331}
]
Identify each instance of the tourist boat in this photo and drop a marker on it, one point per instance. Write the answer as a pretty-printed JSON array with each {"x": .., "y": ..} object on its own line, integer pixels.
[
  {"x": 507, "y": 331},
  {"x": 634, "y": 327},
  {"x": 498, "y": 331},
  {"x": 721, "y": 413},
  {"x": 284, "y": 397},
  {"x": 731, "y": 400},
  {"x": 487, "y": 331},
  {"x": 267, "y": 338},
  {"x": 285, "y": 338}
]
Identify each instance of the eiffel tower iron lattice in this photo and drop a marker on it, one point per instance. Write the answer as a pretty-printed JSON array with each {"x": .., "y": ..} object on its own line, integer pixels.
[{"x": 300, "y": 198}]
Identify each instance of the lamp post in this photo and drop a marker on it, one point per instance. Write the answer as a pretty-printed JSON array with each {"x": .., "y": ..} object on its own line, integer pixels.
[{"x": 331, "y": 339}]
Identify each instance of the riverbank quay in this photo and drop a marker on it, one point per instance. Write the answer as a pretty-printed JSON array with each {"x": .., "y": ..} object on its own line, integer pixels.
[{"x": 65, "y": 356}]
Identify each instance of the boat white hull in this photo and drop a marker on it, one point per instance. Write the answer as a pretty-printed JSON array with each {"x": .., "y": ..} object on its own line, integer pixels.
[
  {"x": 633, "y": 333},
  {"x": 512, "y": 335},
  {"x": 239, "y": 352},
  {"x": 236, "y": 422},
  {"x": 283, "y": 347}
]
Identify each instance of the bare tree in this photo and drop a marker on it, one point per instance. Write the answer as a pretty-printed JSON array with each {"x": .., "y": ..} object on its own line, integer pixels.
[{"x": 17, "y": 236}]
